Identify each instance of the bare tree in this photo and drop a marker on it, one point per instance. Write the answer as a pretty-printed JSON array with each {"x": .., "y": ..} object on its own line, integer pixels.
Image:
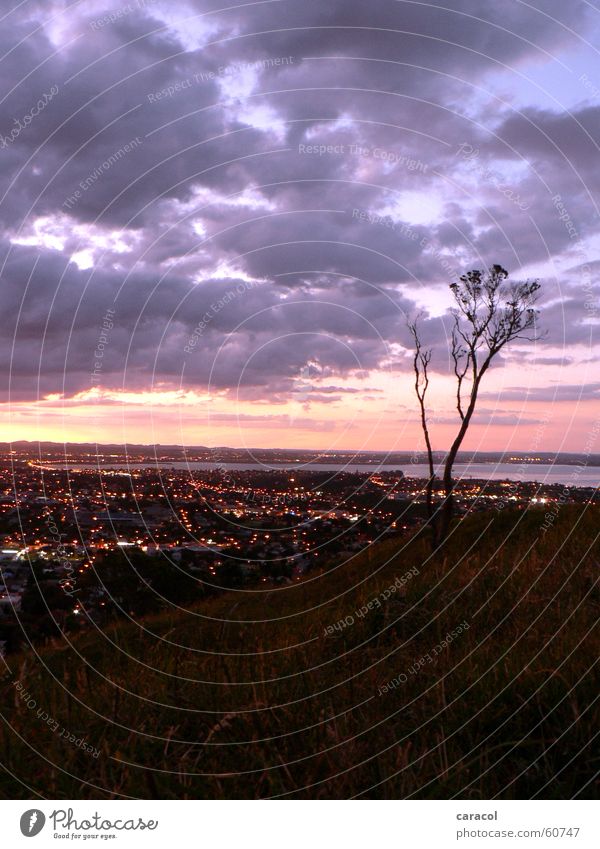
[{"x": 489, "y": 314}]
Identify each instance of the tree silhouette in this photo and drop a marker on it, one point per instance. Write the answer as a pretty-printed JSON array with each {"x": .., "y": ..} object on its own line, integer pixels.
[{"x": 489, "y": 314}]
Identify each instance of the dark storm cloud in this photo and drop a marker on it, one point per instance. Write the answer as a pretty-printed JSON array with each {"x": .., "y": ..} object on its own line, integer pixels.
[
  {"x": 569, "y": 139},
  {"x": 409, "y": 31},
  {"x": 250, "y": 333},
  {"x": 197, "y": 157},
  {"x": 322, "y": 241},
  {"x": 114, "y": 87}
]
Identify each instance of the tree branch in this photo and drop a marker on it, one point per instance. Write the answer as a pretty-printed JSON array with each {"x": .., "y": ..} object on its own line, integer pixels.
[
  {"x": 421, "y": 362},
  {"x": 489, "y": 315}
]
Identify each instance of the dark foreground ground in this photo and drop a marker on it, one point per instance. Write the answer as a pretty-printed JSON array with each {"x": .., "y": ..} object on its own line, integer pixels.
[{"x": 256, "y": 694}]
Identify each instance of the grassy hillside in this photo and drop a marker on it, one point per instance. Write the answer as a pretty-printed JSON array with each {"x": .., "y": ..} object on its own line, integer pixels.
[{"x": 256, "y": 694}]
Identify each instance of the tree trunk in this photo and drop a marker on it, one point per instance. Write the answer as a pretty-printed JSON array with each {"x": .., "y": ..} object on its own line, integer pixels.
[{"x": 446, "y": 511}]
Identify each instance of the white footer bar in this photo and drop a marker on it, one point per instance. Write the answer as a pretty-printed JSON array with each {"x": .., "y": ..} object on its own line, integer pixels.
[{"x": 302, "y": 824}]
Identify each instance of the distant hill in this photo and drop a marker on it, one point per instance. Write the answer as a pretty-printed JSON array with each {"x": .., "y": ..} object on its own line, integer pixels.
[
  {"x": 223, "y": 454},
  {"x": 255, "y": 695}
]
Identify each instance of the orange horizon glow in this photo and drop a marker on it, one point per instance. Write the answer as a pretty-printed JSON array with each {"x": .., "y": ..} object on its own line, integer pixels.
[
  {"x": 550, "y": 431},
  {"x": 377, "y": 413}
]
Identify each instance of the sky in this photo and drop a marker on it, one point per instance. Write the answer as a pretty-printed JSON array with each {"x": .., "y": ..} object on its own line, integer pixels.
[{"x": 215, "y": 220}]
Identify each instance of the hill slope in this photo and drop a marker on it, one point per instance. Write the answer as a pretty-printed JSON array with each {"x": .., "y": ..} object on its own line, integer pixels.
[{"x": 256, "y": 694}]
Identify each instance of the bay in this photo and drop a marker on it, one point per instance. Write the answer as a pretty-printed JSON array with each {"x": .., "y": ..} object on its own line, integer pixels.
[{"x": 569, "y": 475}]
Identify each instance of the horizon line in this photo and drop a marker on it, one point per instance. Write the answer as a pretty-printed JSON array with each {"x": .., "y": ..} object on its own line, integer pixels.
[{"x": 182, "y": 448}]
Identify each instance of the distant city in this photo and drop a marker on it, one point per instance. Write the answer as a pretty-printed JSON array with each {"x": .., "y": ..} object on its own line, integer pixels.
[{"x": 99, "y": 454}]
